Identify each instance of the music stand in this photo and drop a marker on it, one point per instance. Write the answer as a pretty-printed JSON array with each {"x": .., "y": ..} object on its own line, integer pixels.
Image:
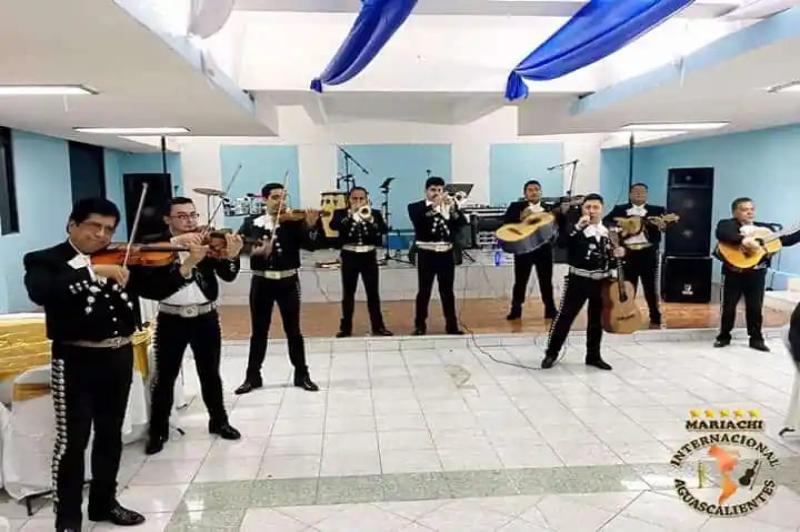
[{"x": 385, "y": 189}]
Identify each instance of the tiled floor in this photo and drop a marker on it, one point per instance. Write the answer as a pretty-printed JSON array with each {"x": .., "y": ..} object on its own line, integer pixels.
[{"x": 431, "y": 434}]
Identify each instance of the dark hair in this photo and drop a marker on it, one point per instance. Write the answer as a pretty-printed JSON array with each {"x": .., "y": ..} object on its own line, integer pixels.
[
  {"x": 269, "y": 187},
  {"x": 739, "y": 201},
  {"x": 177, "y": 200},
  {"x": 530, "y": 182},
  {"x": 592, "y": 197},
  {"x": 638, "y": 185},
  {"x": 434, "y": 181},
  {"x": 89, "y": 206},
  {"x": 366, "y": 192}
]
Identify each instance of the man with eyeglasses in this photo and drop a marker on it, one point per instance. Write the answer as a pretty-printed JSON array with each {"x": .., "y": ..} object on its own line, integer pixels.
[
  {"x": 90, "y": 317},
  {"x": 188, "y": 316}
]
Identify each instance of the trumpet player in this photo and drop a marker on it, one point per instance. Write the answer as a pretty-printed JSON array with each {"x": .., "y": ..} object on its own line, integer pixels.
[
  {"x": 436, "y": 220},
  {"x": 360, "y": 228}
]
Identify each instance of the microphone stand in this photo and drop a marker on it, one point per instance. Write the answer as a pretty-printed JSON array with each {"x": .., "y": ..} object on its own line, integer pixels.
[
  {"x": 348, "y": 178},
  {"x": 385, "y": 186}
]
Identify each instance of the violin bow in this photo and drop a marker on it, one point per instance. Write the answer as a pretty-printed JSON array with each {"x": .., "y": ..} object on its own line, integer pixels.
[
  {"x": 280, "y": 207},
  {"x": 213, "y": 215},
  {"x": 135, "y": 228}
]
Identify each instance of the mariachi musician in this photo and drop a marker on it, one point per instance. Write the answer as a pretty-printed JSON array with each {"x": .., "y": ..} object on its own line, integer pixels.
[
  {"x": 279, "y": 234},
  {"x": 188, "y": 316},
  {"x": 591, "y": 257},
  {"x": 741, "y": 230},
  {"x": 360, "y": 230},
  {"x": 436, "y": 220},
  {"x": 541, "y": 257},
  {"x": 90, "y": 316},
  {"x": 642, "y": 258}
]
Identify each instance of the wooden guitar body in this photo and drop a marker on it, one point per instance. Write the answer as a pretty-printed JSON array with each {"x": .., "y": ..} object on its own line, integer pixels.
[
  {"x": 745, "y": 259},
  {"x": 527, "y": 235},
  {"x": 621, "y": 314}
]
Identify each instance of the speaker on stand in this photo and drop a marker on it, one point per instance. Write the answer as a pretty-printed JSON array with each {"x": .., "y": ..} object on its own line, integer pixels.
[{"x": 687, "y": 264}]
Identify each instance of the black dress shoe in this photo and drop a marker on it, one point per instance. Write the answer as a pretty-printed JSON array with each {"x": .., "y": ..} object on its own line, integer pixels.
[
  {"x": 722, "y": 343},
  {"x": 305, "y": 382},
  {"x": 419, "y": 331},
  {"x": 759, "y": 345},
  {"x": 514, "y": 314},
  {"x": 224, "y": 431},
  {"x": 599, "y": 363},
  {"x": 655, "y": 325},
  {"x": 247, "y": 387},
  {"x": 550, "y": 314},
  {"x": 548, "y": 362},
  {"x": 383, "y": 331},
  {"x": 155, "y": 444},
  {"x": 343, "y": 334},
  {"x": 117, "y": 515}
]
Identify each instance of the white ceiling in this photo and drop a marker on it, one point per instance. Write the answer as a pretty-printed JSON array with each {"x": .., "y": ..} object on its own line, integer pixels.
[
  {"x": 732, "y": 91},
  {"x": 540, "y": 8},
  {"x": 141, "y": 80}
]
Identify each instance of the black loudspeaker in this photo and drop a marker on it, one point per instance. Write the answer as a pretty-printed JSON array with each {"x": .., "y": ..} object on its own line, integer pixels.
[
  {"x": 690, "y": 195},
  {"x": 159, "y": 191},
  {"x": 686, "y": 279}
]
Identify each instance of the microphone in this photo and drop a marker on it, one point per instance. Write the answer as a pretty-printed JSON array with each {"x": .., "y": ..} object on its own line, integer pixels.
[{"x": 551, "y": 168}]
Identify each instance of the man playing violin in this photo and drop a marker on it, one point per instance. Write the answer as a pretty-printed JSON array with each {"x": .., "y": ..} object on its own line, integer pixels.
[
  {"x": 590, "y": 256},
  {"x": 188, "y": 316},
  {"x": 360, "y": 228},
  {"x": 275, "y": 261},
  {"x": 90, "y": 317},
  {"x": 736, "y": 282},
  {"x": 542, "y": 257},
  {"x": 642, "y": 257}
]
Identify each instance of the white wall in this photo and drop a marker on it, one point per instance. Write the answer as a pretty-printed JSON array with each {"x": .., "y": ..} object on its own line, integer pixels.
[{"x": 317, "y": 150}]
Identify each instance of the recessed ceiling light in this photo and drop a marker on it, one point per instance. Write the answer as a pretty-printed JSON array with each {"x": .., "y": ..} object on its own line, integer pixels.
[
  {"x": 45, "y": 90},
  {"x": 792, "y": 86},
  {"x": 133, "y": 130},
  {"x": 675, "y": 126}
]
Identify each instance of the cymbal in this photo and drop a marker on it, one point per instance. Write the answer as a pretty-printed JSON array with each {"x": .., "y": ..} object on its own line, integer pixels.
[{"x": 209, "y": 192}]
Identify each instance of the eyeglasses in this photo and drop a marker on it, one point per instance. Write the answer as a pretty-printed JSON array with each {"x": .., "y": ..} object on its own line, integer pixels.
[{"x": 186, "y": 217}]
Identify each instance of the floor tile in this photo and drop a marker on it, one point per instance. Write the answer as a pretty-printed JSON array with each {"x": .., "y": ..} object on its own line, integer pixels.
[
  {"x": 206, "y": 520},
  {"x": 289, "y": 466},
  {"x": 153, "y": 499},
  {"x": 409, "y": 461},
  {"x": 405, "y": 440},
  {"x": 228, "y": 469},
  {"x": 167, "y": 472},
  {"x": 216, "y": 496},
  {"x": 260, "y": 519},
  {"x": 358, "y": 489},
  {"x": 283, "y": 492}
]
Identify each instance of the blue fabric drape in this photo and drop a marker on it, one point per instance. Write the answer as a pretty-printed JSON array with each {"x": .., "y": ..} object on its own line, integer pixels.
[
  {"x": 376, "y": 23},
  {"x": 598, "y": 29}
]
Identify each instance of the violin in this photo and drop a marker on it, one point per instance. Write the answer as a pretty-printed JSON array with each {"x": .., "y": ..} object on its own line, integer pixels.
[{"x": 154, "y": 255}]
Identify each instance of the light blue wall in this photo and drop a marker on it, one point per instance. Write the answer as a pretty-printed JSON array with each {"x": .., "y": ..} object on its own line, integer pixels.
[
  {"x": 42, "y": 178},
  {"x": 408, "y": 164},
  {"x": 764, "y": 165},
  {"x": 511, "y": 165},
  {"x": 260, "y": 165}
]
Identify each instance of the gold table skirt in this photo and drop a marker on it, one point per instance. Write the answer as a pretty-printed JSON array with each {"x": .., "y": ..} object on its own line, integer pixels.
[{"x": 24, "y": 345}]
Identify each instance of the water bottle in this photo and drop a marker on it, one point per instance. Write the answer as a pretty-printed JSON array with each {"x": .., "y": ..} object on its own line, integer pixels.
[{"x": 498, "y": 257}]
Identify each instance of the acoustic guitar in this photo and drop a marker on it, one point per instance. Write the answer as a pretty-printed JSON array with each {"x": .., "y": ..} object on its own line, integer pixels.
[
  {"x": 633, "y": 225},
  {"x": 745, "y": 258},
  {"x": 528, "y": 235},
  {"x": 621, "y": 314}
]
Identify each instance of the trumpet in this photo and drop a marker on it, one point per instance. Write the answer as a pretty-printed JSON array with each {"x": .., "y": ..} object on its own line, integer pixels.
[
  {"x": 455, "y": 200},
  {"x": 365, "y": 211}
]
